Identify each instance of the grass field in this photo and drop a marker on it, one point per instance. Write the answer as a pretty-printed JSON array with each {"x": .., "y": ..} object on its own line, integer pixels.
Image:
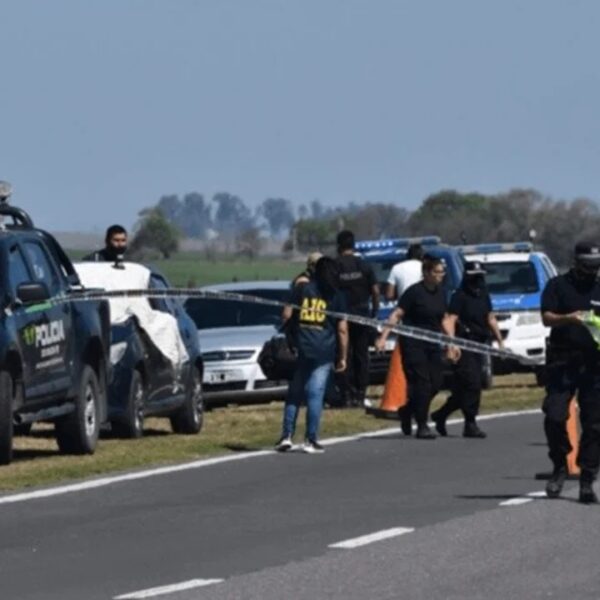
[
  {"x": 193, "y": 269},
  {"x": 227, "y": 430}
]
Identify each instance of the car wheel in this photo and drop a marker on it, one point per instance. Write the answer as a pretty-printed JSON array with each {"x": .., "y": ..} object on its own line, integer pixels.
[
  {"x": 133, "y": 424},
  {"x": 77, "y": 432},
  {"x": 6, "y": 417},
  {"x": 190, "y": 416}
]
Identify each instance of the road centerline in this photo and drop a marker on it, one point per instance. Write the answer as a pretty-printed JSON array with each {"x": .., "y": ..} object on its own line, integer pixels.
[
  {"x": 371, "y": 538},
  {"x": 168, "y": 589}
]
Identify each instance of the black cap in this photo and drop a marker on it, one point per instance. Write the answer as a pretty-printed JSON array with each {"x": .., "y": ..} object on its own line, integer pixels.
[
  {"x": 585, "y": 250},
  {"x": 587, "y": 254},
  {"x": 474, "y": 267}
]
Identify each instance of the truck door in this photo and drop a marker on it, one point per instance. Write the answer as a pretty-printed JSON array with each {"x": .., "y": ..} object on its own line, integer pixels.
[
  {"x": 53, "y": 336},
  {"x": 26, "y": 321}
]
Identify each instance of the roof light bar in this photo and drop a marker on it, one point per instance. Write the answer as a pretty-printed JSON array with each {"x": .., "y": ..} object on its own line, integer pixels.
[
  {"x": 429, "y": 240},
  {"x": 491, "y": 248}
]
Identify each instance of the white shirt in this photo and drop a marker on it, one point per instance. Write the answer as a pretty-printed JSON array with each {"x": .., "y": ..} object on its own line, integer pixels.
[{"x": 404, "y": 274}]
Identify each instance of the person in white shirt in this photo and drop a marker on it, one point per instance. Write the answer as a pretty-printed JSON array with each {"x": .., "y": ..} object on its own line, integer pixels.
[{"x": 405, "y": 273}]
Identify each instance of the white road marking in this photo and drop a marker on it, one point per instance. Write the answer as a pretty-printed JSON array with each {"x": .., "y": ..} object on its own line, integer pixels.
[
  {"x": 530, "y": 497},
  {"x": 372, "y": 537},
  {"x": 168, "y": 589},
  {"x": 207, "y": 462},
  {"x": 516, "y": 501}
]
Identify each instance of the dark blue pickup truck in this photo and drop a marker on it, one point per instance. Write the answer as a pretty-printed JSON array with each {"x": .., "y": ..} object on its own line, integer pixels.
[{"x": 53, "y": 356}]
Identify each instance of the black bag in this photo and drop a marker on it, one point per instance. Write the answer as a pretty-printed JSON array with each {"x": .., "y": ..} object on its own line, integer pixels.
[{"x": 277, "y": 359}]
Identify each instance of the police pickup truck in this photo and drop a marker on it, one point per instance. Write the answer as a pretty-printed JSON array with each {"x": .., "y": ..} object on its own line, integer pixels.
[
  {"x": 516, "y": 276},
  {"x": 53, "y": 356},
  {"x": 382, "y": 255}
]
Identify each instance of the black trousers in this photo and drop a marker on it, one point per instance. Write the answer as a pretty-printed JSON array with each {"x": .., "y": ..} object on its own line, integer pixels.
[
  {"x": 564, "y": 381},
  {"x": 466, "y": 387},
  {"x": 356, "y": 379},
  {"x": 422, "y": 363}
]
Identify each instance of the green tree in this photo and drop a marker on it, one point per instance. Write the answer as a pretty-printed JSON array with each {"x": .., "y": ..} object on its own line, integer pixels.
[
  {"x": 232, "y": 214},
  {"x": 278, "y": 213},
  {"x": 153, "y": 231}
]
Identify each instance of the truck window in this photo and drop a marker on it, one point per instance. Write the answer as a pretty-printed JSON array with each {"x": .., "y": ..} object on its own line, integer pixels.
[
  {"x": 511, "y": 278},
  {"x": 17, "y": 270},
  {"x": 43, "y": 271},
  {"x": 167, "y": 305}
]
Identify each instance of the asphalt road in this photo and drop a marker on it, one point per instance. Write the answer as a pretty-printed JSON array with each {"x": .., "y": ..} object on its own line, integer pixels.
[{"x": 264, "y": 527}]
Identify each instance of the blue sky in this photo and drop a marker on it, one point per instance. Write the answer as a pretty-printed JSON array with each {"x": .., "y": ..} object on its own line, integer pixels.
[{"x": 106, "y": 106}]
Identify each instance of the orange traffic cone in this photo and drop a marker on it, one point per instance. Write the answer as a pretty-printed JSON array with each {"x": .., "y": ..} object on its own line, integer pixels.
[
  {"x": 573, "y": 433},
  {"x": 394, "y": 394}
]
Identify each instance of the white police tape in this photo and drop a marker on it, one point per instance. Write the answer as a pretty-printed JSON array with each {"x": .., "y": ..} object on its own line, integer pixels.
[{"x": 416, "y": 333}]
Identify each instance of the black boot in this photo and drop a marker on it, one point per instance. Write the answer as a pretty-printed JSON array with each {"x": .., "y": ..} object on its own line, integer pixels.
[
  {"x": 440, "y": 422},
  {"x": 557, "y": 480},
  {"x": 471, "y": 430},
  {"x": 406, "y": 421},
  {"x": 424, "y": 433},
  {"x": 586, "y": 490}
]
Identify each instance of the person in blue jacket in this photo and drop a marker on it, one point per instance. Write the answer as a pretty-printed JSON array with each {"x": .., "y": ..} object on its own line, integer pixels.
[{"x": 321, "y": 342}]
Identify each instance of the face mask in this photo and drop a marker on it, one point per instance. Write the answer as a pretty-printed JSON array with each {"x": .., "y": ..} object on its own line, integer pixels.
[
  {"x": 585, "y": 276},
  {"x": 475, "y": 284}
]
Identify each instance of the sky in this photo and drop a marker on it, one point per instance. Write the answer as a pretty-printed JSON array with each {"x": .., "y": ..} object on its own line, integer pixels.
[{"x": 107, "y": 106}]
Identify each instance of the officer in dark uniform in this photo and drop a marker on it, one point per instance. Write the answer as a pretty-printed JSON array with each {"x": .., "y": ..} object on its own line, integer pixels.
[
  {"x": 573, "y": 367},
  {"x": 470, "y": 316},
  {"x": 422, "y": 305},
  {"x": 359, "y": 284},
  {"x": 115, "y": 246}
]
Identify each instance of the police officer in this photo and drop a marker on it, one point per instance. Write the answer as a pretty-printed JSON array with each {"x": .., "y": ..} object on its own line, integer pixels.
[
  {"x": 115, "y": 246},
  {"x": 573, "y": 367},
  {"x": 322, "y": 342},
  {"x": 470, "y": 316},
  {"x": 359, "y": 284},
  {"x": 422, "y": 305}
]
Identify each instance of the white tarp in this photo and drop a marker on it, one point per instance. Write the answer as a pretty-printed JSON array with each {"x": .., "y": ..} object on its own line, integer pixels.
[{"x": 161, "y": 327}]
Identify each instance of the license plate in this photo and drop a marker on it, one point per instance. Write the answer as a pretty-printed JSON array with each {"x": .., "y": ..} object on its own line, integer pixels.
[
  {"x": 389, "y": 345},
  {"x": 223, "y": 376}
]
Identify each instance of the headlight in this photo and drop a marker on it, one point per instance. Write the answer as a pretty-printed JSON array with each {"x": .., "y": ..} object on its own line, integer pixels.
[
  {"x": 529, "y": 318},
  {"x": 117, "y": 351}
]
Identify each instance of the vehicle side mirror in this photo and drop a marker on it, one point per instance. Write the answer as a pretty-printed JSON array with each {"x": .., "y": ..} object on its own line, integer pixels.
[{"x": 33, "y": 293}]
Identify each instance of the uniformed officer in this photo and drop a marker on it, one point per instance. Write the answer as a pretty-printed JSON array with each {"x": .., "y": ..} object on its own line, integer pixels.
[
  {"x": 359, "y": 284},
  {"x": 573, "y": 367},
  {"x": 422, "y": 305},
  {"x": 470, "y": 316}
]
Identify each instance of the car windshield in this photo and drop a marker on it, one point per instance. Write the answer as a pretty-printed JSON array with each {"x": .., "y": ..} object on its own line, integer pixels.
[
  {"x": 511, "y": 278},
  {"x": 208, "y": 313}
]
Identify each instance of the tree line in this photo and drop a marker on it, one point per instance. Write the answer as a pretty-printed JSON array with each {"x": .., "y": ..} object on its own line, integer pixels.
[{"x": 455, "y": 217}]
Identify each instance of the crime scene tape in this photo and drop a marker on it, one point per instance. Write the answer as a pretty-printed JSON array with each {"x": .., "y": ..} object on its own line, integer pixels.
[{"x": 416, "y": 333}]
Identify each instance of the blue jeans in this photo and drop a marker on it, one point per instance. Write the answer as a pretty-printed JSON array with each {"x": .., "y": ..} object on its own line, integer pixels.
[{"x": 309, "y": 384}]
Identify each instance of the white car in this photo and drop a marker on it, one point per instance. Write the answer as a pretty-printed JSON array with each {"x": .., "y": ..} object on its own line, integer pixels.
[
  {"x": 516, "y": 276},
  {"x": 231, "y": 335}
]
